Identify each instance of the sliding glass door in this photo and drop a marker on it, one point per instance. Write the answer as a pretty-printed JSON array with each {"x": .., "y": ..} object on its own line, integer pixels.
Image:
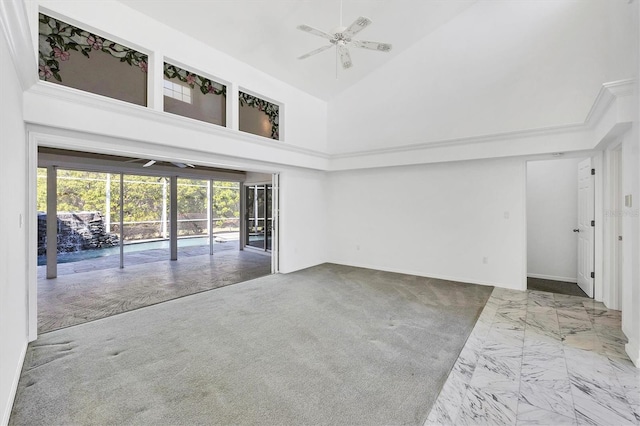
[{"x": 259, "y": 221}]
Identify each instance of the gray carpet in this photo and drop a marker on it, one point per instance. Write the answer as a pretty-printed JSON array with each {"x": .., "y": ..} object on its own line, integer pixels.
[
  {"x": 326, "y": 345},
  {"x": 558, "y": 287}
]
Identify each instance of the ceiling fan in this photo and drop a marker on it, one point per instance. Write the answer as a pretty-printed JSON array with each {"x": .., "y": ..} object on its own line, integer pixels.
[
  {"x": 342, "y": 38},
  {"x": 150, "y": 163}
]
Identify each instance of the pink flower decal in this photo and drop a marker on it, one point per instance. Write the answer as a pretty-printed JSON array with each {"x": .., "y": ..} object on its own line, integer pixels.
[
  {"x": 61, "y": 54},
  {"x": 211, "y": 89},
  {"x": 191, "y": 79},
  {"x": 94, "y": 42},
  {"x": 45, "y": 71},
  {"x": 143, "y": 66}
]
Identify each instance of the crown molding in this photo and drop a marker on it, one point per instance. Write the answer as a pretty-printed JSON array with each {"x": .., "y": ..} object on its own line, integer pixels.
[
  {"x": 16, "y": 30},
  {"x": 604, "y": 120},
  {"x": 608, "y": 110},
  {"x": 609, "y": 95},
  {"x": 470, "y": 140}
]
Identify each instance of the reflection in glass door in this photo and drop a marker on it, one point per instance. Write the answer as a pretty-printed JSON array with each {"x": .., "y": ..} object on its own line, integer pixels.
[{"x": 259, "y": 222}]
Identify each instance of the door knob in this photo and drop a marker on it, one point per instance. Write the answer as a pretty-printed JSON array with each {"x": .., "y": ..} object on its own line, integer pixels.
[{"x": 576, "y": 230}]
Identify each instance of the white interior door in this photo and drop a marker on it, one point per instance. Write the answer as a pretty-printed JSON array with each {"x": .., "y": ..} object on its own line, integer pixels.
[{"x": 585, "y": 228}]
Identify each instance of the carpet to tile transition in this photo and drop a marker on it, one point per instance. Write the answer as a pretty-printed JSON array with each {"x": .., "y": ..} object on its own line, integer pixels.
[{"x": 326, "y": 345}]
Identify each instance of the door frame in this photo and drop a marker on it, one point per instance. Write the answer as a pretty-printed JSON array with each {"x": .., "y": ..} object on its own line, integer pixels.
[
  {"x": 587, "y": 226},
  {"x": 245, "y": 216},
  {"x": 596, "y": 163},
  {"x": 604, "y": 290},
  {"x": 274, "y": 251},
  {"x": 612, "y": 224}
]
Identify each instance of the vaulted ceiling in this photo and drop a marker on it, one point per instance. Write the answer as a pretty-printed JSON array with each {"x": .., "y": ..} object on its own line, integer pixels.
[{"x": 263, "y": 34}]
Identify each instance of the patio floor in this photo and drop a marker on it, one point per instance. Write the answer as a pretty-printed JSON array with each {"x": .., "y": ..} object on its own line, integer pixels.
[{"x": 97, "y": 288}]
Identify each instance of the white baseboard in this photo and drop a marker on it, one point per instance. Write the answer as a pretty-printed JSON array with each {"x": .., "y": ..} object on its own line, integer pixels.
[
  {"x": 633, "y": 350},
  {"x": 553, "y": 278},
  {"x": 14, "y": 387}
]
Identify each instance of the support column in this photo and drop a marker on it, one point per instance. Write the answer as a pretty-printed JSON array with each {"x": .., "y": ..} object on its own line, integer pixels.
[
  {"x": 163, "y": 216},
  {"x": 107, "y": 204},
  {"x": 173, "y": 210},
  {"x": 121, "y": 220},
  {"x": 210, "y": 215},
  {"x": 52, "y": 222},
  {"x": 243, "y": 215}
]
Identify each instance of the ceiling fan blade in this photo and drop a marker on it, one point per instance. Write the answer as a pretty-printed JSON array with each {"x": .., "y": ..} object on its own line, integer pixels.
[
  {"x": 313, "y": 52},
  {"x": 190, "y": 165},
  {"x": 315, "y": 31},
  {"x": 345, "y": 57},
  {"x": 133, "y": 160},
  {"x": 358, "y": 25},
  {"x": 181, "y": 165},
  {"x": 371, "y": 45},
  {"x": 149, "y": 163}
]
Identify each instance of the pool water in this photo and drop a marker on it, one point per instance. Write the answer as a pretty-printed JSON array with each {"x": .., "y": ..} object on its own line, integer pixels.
[{"x": 77, "y": 256}]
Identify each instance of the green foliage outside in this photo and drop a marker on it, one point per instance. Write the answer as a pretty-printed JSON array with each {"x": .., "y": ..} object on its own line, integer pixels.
[{"x": 86, "y": 191}]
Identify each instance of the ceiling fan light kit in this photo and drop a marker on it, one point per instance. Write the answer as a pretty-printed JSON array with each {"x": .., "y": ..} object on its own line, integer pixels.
[{"x": 342, "y": 38}]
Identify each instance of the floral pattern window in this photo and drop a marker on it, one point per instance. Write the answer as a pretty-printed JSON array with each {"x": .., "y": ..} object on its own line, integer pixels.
[
  {"x": 258, "y": 116},
  {"x": 191, "y": 95},
  {"x": 73, "y": 57}
]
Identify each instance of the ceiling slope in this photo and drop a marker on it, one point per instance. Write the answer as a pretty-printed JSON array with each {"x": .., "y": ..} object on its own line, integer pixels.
[{"x": 263, "y": 34}]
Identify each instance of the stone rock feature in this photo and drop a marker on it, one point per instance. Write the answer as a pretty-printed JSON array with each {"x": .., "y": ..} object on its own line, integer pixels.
[{"x": 76, "y": 231}]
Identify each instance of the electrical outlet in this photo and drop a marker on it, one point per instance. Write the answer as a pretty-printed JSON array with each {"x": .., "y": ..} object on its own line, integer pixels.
[
  {"x": 485, "y": 260},
  {"x": 506, "y": 215}
]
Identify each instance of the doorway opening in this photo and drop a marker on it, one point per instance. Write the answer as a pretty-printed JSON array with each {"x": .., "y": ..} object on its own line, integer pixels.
[
  {"x": 118, "y": 233},
  {"x": 560, "y": 239}
]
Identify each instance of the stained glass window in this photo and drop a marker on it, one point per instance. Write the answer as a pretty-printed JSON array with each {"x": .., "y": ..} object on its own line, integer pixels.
[
  {"x": 258, "y": 116},
  {"x": 191, "y": 95},
  {"x": 73, "y": 57}
]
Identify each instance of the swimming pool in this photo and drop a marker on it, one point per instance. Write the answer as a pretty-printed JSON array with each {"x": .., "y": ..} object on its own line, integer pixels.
[{"x": 132, "y": 247}]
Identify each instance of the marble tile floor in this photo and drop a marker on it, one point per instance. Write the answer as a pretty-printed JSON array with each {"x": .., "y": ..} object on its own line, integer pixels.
[
  {"x": 538, "y": 358},
  {"x": 80, "y": 297}
]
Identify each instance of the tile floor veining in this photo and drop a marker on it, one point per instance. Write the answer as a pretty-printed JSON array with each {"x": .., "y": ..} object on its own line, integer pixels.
[{"x": 537, "y": 358}]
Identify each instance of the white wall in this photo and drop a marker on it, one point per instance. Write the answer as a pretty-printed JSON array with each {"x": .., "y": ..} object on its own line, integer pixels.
[
  {"x": 13, "y": 184},
  {"x": 500, "y": 66},
  {"x": 631, "y": 244},
  {"x": 436, "y": 220},
  {"x": 552, "y": 214},
  {"x": 303, "y": 216},
  {"x": 631, "y": 218}
]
